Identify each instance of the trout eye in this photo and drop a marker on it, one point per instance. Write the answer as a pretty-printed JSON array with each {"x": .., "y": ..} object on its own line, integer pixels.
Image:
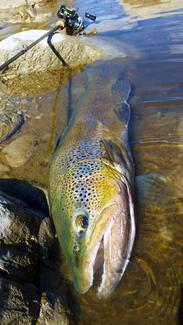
[
  {"x": 82, "y": 221},
  {"x": 80, "y": 224}
]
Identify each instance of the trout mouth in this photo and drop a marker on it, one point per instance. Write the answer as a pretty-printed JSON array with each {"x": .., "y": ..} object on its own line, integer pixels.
[{"x": 111, "y": 245}]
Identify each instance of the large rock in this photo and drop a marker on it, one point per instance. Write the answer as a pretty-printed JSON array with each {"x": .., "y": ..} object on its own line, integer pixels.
[
  {"x": 19, "y": 261},
  {"x": 19, "y": 304},
  {"x": 31, "y": 286},
  {"x": 74, "y": 51}
]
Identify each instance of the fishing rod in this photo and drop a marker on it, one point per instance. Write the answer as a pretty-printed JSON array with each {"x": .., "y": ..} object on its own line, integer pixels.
[{"x": 70, "y": 20}]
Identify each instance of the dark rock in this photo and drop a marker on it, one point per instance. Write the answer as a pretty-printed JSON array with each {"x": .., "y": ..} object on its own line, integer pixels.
[
  {"x": 19, "y": 263},
  {"x": 19, "y": 224},
  {"x": 19, "y": 303},
  {"x": 22, "y": 190},
  {"x": 31, "y": 285},
  {"x": 57, "y": 296}
]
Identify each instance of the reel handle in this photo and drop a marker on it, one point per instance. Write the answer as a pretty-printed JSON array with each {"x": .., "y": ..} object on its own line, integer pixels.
[{"x": 89, "y": 16}]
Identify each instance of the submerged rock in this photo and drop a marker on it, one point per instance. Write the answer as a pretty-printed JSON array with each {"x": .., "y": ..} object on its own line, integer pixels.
[
  {"x": 75, "y": 52},
  {"x": 31, "y": 287},
  {"x": 18, "y": 152}
]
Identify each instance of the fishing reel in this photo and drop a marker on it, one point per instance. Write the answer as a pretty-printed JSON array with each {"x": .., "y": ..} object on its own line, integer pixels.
[{"x": 73, "y": 22}]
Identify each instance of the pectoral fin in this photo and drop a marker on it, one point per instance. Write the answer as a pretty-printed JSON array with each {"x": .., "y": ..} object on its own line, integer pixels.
[
  {"x": 118, "y": 156},
  {"x": 152, "y": 189}
]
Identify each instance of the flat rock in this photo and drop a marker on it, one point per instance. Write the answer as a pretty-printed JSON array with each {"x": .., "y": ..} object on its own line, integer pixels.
[{"x": 75, "y": 51}]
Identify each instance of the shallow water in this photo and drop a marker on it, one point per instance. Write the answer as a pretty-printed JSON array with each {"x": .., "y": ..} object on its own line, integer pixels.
[{"x": 150, "y": 34}]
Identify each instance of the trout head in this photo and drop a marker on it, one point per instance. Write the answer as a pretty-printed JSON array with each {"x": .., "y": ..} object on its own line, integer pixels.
[{"x": 93, "y": 216}]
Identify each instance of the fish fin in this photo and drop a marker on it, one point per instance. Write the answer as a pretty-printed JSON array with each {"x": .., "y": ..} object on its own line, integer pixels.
[
  {"x": 114, "y": 153},
  {"x": 118, "y": 243},
  {"x": 152, "y": 189},
  {"x": 158, "y": 211},
  {"x": 118, "y": 156},
  {"x": 123, "y": 112},
  {"x": 120, "y": 91}
]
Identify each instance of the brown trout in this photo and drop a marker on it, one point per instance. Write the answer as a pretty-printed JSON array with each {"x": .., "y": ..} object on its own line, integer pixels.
[{"x": 91, "y": 188}]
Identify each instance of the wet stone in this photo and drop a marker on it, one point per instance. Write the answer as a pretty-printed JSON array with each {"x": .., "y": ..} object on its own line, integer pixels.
[
  {"x": 19, "y": 261},
  {"x": 29, "y": 262},
  {"x": 19, "y": 303},
  {"x": 19, "y": 152},
  {"x": 18, "y": 223},
  {"x": 56, "y": 295}
]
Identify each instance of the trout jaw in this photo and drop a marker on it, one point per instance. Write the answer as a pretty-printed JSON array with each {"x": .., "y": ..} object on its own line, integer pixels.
[
  {"x": 83, "y": 280},
  {"x": 116, "y": 228},
  {"x": 118, "y": 244}
]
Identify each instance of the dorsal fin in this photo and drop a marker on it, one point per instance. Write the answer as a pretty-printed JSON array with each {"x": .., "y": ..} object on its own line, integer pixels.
[{"x": 120, "y": 92}]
